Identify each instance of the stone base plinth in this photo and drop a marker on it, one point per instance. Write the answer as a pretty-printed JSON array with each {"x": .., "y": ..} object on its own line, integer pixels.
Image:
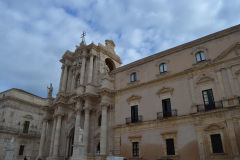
[
  {"x": 101, "y": 157},
  {"x": 55, "y": 158}
]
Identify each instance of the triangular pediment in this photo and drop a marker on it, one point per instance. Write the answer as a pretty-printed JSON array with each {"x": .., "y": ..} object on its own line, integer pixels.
[
  {"x": 230, "y": 52},
  {"x": 204, "y": 79},
  {"x": 213, "y": 127},
  {"x": 28, "y": 116},
  {"x": 165, "y": 90},
  {"x": 133, "y": 98},
  {"x": 237, "y": 72}
]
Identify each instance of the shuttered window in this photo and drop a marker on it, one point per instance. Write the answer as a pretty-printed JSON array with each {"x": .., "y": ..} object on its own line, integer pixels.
[
  {"x": 134, "y": 114},
  {"x": 216, "y": 143},
  {"x": 170, "y": 146},
  {"x": 135, "y": 149}
]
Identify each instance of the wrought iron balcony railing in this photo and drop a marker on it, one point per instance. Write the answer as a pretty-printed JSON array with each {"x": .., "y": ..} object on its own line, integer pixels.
[
  {"x": 208, "y": 107},
  {"x": 134, "y": 120},
  {"x": 20, "y": 131},
  {"x": 162, "y": 115}
]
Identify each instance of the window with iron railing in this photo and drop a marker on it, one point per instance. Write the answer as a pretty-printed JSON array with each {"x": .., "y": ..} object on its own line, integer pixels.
[
  {"x": 138, "y": 119},
  {"x": 172, "y": 113}
]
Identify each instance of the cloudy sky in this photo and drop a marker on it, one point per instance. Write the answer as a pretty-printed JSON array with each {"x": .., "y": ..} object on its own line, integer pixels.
[{"x": 34, "y": 34}]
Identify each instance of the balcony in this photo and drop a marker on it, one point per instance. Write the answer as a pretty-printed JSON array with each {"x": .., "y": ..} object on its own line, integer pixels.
[
  {"x": 208, "y": 107},
  {"x": 132, "y": 120},
  {"x": 162, "y": 115},
  {"x": 20, "y": 132}
]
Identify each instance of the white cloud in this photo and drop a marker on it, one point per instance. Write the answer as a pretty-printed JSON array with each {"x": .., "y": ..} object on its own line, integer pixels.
[{"x": 35, "y": 34}]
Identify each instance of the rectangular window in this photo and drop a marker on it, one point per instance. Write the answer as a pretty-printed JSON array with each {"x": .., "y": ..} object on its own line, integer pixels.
[
  {"x": 135, "y": 149},
  {"x": 208, "y": 99},
  {"x": 26, "y": 126},
  {"x": 216, "y": 143},
  {"x": 170, "y": 146},
  {"x": 166, "y": 105},
  {"x": 21, "y": 150},
  {"x": 133, "y": 77},
  {"x": 134, "y": 114}
]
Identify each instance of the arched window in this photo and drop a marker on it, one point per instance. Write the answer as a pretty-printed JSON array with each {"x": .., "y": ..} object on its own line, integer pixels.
[
  {"x": 133, "y": 77},
  {"x": 99, "y": 120},
  {"x": 110, "y": 64},
  {"x": 200, "y": 56},
  {"x": 163, "y": 67}
]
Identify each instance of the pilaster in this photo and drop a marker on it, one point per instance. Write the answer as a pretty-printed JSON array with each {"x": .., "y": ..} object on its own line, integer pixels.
[
  {"x": 42, "y": 139},
  {"x": 78, "y": 135},
  {"x": 52, "y": 136},
  {"x": 86, "y": 128}
]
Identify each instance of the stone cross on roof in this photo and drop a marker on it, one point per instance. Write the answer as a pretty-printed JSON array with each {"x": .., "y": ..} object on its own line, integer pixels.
[{"x": 83, "y": 36}]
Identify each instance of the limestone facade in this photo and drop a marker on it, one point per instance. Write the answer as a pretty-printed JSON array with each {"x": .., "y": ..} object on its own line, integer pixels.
[
  {"x": 20, "y": 124},
  {"x": 183, "y": 103}
]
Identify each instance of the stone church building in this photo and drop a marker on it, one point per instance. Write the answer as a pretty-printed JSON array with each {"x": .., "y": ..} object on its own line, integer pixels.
[{"x": 181, "y": 104}]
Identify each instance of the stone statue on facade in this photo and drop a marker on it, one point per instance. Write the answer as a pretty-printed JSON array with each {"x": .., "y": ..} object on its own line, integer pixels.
[
  {"x": 50, "y": 90},
  {"x": 80, "y": 138}
]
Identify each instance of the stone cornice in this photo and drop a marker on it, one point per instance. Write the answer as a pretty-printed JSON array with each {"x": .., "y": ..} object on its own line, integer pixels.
[{"x": 179, "y": 48}]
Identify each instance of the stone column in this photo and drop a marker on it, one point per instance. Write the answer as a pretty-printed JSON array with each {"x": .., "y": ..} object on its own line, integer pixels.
[
  {"x": 82, "y": 70},
  {"x": 57, "y": 136},
  {"x": 103, "y": 136},
  {"x": 90, "y": 71},
  {"x": 220, "y": 80},
  {"x": 236, "y": 85},
  {"x": 78, "y": 138},
  {"x": 42, "y": 140},
  {"x": 73, "y": 81},
  {"x": 86, "y": 130},
  {"x": 233, "y": 139},
  {"x": 69, "y": 80},
  {"x": 64, "y": 82},
  {"x": 52, "y": 137},
  {"x": 60, "y": 84}
]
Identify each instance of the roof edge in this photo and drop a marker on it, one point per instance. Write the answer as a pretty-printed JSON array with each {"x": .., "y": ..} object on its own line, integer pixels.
[
  {"x": 190, "y": 44},
  {"x": 23, "y": 91}
]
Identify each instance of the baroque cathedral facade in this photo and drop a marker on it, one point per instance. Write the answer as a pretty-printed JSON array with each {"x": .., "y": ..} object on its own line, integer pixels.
[{"x": 181, "y": 104}]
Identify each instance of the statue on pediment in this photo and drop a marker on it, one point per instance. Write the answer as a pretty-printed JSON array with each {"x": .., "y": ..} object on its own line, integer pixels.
[{"x": 50, "y": 90}]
